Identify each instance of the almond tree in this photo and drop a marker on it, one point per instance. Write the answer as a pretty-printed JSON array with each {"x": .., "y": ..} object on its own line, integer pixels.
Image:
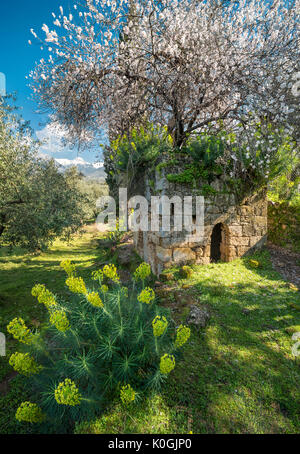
[{"x": 182, "y": 63}]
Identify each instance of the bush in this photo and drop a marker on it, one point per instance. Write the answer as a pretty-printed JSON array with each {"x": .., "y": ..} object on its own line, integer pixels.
[
  {"x": 284, "y": 224},
  {"x": 130, "y": 155},
  {"x": 107, "y": 341},
  {"x": 186, "y": 272}
]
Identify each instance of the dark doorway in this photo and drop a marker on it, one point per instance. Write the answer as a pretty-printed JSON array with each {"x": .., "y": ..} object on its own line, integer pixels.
[{"x": 215, "y": 245}]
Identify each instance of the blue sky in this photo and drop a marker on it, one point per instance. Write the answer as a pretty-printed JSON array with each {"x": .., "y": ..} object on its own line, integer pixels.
[{"x": 17, "y": 58}]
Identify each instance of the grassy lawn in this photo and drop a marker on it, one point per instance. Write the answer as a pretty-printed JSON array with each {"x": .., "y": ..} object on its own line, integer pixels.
[{"x": 237, "y": 375}]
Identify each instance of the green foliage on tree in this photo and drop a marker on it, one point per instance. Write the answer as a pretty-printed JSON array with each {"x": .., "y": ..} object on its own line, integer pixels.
[
  {"x": 37, "y": 202},
  {"x": 128, "y": 156},
  {"x": 92, "y": 190}
]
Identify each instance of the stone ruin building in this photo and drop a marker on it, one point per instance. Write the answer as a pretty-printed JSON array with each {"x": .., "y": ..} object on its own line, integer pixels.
[{"x": 232, "y": 227}]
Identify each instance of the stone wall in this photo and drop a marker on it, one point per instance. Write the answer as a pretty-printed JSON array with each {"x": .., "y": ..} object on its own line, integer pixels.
[{"x": 243, "y": 226}]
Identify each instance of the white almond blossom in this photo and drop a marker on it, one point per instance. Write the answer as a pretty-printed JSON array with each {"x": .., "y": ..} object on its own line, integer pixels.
[{"x": 181, "y": 63}]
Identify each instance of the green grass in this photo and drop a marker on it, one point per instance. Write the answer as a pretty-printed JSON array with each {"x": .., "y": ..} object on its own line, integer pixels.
[
  {"x": 19, "y": 272},
  {"x": 237, "y": 375}
]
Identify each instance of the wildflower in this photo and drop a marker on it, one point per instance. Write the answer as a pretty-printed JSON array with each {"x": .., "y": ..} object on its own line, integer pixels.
[
  {"x": 97, "y": 275},
  {"x": 24, "y": 364},
  {"x": 67, "y": 393},
  {"x": 104, "y": 288},
  {"x": 186, "y": 272},
  {"x": 76, "y": 285},
  {"x": 167, "y": 363},
  {"x": 110, "y": 271},
  {"x": 146, "y": 296},
  {"x": 29, "y": 412},
  {"x": 60, "y": 321},
  {"x": 142, "y": 272},
  {"x": 254, "y": 263},
  {"x": 160, "y": 325},
  {"x": 37, "y": 290},
  {"x": 127, "y": 394},
  {"x": 69, "y": 267},
  {"x": 94, "y": 299},
  {"x": 182, "y": 336},
  {"x": 47, "y": 298},
  {"x": 19, "y": 331}
]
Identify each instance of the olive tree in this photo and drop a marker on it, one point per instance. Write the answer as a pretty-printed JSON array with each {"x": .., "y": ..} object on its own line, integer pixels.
[{"x": 37, "y": 202}]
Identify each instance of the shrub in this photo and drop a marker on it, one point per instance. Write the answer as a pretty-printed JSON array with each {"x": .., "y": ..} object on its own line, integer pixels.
[
  {"x": 186, "y": 272},
  {"x": 107, "y": 341}
]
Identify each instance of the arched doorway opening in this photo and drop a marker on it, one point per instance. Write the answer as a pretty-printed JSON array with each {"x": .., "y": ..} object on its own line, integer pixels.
[{"x": 219, "y": 243}]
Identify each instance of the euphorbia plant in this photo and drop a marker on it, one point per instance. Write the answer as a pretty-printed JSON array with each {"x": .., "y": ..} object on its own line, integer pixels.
[{"x": 106, "y": 341}]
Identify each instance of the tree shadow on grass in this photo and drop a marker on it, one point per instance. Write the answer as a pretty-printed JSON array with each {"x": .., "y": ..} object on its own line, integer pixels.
[{"x": 238, "y": 374}]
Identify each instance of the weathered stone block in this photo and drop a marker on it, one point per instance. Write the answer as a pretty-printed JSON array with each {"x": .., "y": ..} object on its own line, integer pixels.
[
  {"x": 239, "y": 241},
  {"x": 248, "y": 230},
  {"x": 183, "y": 255},
  {"x": 199, "y": 251},
  {"x": 260, "y": 220},
  {"x": 246, "y": 210},
  {"x": 235, "y": 230},
  {"x": 174, "y": 239},
  {"x": 154, "y": 238},
  {"x": 254, "y": 240},
  {"x": 241, "y": 250},
  {"x": 163, "y": 254}
]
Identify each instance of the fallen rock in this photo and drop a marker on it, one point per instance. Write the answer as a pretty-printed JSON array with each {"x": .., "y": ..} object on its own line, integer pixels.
[{"x": 198, "y": 317}]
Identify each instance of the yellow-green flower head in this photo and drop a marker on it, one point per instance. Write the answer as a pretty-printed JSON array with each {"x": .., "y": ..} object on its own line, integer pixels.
[
  {"x": 127, "y": 394},
  {"x": 60, "y": 320},
  {"x": 160, "y": 325},
  {"x": 182, "y": 335},
  {"x": 110, "y": 271},
  {"x": 142, "y": 272},
  {"x": 47, "y": 298},
  {"x": 124, "y": 291},
  {"x": 254, "y": 263},
  {"x": 76, "y": 285},
  {"x": 69, "y": 267},
  {"x": 24, "y": 364},
  {"x": 95, "y": 299},
  {"x": 19, "y": 331},
  {"x": 37, "y": 289},
  {"x": 97, "y": 275},
  {"x": 67, "y": 393},
  {"x": 146, "y": 296},
  {"x": 104, "y": 288},
  {"x": 29, "y": 412},
  {"x": 167, "y": 363}
]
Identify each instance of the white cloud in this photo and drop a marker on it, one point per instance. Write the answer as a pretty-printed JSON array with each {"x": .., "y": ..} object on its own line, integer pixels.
[
  {"x": 72, "y": 162},
  {"x": 52, "y": 136},
  {"x": 78, "y": 162}
]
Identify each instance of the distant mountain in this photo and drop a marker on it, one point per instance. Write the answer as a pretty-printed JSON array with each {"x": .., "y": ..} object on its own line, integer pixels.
[{"x": 89, "y": 170}]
